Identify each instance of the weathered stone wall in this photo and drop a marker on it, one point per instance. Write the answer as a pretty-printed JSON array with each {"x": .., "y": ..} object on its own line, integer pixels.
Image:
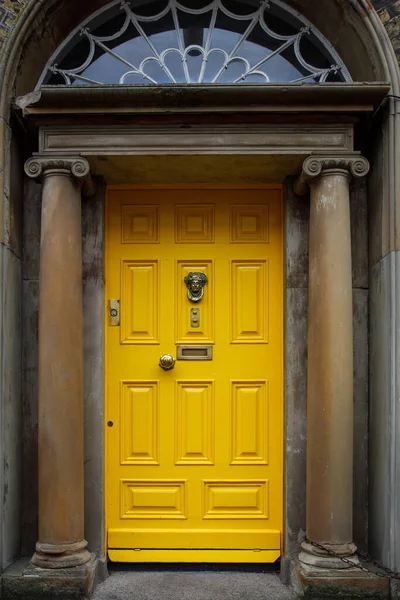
[
  {"x": 30, "y": 320},
  {"x": 384, "y": 423},
  {"x": 11, "y": 351}
]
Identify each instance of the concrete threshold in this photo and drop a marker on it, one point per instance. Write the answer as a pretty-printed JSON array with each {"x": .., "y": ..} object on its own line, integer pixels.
[{"x": 204, "y": 585}]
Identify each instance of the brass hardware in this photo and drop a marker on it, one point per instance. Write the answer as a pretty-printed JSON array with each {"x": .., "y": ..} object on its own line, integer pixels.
[
  {"x": 195, "y": 352},
  {"x": 167, "y": 362},
  {"x": 194, "y": 317},
  {"x": 110, "y": 423},
  {"x": 113, "y": 312},
  {"x": 195, "y": 283}
]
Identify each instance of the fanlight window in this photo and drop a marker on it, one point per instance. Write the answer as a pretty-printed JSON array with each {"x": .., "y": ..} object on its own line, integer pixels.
[{"x": 194, "y": 42}]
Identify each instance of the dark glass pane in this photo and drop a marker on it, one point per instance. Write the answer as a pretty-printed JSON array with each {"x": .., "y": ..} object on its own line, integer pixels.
[
  {"x": 149, "y": 9},
  {"x": 277, "y": 25},
  {"x": 56, "y": 79},
  {"x": 108, "y": 27},
  {"x": 315, "y": 58},
  {"x": 334, "y": 77}
]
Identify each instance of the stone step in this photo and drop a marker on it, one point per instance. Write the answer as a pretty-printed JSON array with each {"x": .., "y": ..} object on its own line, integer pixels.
[{"x": 205, "y": 585}]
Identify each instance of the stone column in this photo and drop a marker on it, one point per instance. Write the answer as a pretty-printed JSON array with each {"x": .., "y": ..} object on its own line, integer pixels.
[
  {"x": 330, "y": 360},
  {"x": 61, "y": 444}
]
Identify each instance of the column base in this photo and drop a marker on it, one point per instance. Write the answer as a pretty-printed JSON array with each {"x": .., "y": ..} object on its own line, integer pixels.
[
  {"x": 313, "y": 583},
  {"x": 61, "y": 556},
  {"x": 317, "y": 557},
  {"x": 23, "y": 581}
]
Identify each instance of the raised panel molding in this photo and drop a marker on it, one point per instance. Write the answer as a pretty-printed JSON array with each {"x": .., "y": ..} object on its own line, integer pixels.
[
  {"x": 139, "y": 302},
  {"x": 184, "y": 331},
  {"x": 235, "y": 499},
  {"x": 194, "y": 223},
  {"x": 139, "y": 422},
  {"x": 140, "y": 224},
  {"x": 249, "y": 301},
  {"x": 249, "y": 422},
  {"x": 249, "y": 224},
  {"x": 194, "y": 423},
  {"x": 153, "y": 499}
]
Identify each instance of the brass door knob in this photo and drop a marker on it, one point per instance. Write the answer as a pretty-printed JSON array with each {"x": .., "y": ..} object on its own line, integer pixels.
[{"x": 167, "y": 362}]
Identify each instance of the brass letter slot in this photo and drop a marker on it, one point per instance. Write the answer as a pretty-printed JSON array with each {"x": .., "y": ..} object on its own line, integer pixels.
[{"x": 194, "y": 352}]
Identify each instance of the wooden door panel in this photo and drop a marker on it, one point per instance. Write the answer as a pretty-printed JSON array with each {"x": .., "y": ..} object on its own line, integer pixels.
[
  {"x": 139, "y": 302},
  {"x": 249, "y": 308},
  {"x": 194, "y": 457},
  {"x": 139, "y": 423},
  {"x": 194, "y": 423}
]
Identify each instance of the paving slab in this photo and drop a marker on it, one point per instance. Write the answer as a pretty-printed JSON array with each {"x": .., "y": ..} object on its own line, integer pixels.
[{"x": 156, "y": 585}]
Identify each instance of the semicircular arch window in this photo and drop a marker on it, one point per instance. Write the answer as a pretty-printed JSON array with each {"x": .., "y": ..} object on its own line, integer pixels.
[{"x": 168, "y": 42}]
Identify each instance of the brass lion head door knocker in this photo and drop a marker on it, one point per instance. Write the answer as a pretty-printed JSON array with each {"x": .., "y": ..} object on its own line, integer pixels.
[{"x": 195, "y": 283}]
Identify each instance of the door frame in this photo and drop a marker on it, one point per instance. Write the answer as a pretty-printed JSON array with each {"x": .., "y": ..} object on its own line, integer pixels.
[{"x": 284, "y": 146}]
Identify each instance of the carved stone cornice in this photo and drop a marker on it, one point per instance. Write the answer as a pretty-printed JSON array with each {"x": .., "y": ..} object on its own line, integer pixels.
[
  {"x": 314, "y": 166},
  {"x": 76, "y": 166}
]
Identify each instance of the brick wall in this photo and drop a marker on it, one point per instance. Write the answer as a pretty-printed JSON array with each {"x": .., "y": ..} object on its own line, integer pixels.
[{"x": 389, "y": 13}]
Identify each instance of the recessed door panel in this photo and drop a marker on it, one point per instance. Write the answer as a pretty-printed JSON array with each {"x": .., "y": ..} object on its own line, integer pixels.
[
  {"x": 153, "y": 499},
  {"x": 249, "y": 223},
  {"x": 249, "y": 310},
  {"x": 194, "y": 224},
  {"x": 139, "y": 422},
  {"x": 140, "y": 224},
  {"x": 249, "y": 422},
  {"x": 139, "y": 302},
  {"x": 194, "y": 423},
  {"x": 194, "y": 374},
  {"x": 236, "y": 499}
]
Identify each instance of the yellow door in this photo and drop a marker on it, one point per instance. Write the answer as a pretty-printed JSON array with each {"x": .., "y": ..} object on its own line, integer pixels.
[{"x": 194, "y": 454}]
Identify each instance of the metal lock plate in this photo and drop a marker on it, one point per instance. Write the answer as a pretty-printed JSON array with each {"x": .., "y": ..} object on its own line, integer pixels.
[
  {"x": 194, "y": 317},
  {"x": 113, "y": 312}
]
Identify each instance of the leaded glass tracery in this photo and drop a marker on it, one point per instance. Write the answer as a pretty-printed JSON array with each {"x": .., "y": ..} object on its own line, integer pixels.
[{"x": 194, "y": 42}]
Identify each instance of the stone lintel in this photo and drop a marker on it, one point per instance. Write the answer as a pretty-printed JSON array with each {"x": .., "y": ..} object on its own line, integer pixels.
[
  {"x": 314, "y": 166},
  {"x": 334, "y": 97},
  {"x": 41, "y": 165}
]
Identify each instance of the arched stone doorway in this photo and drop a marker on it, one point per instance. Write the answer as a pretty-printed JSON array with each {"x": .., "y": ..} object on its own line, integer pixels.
[{"x": 40, "y": 110}]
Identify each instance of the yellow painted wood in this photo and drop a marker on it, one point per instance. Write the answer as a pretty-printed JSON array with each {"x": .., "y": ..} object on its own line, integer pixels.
[
  {"x": 162, "y": 539},
  {"x": 194, "y": 457},
  {"x": 194, "y": 556}
]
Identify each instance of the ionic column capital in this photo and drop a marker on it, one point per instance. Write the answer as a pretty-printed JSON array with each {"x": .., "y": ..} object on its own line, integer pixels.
[
  {"x": 315, "y": 166},
  {"x": 42, "y": 165}
]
